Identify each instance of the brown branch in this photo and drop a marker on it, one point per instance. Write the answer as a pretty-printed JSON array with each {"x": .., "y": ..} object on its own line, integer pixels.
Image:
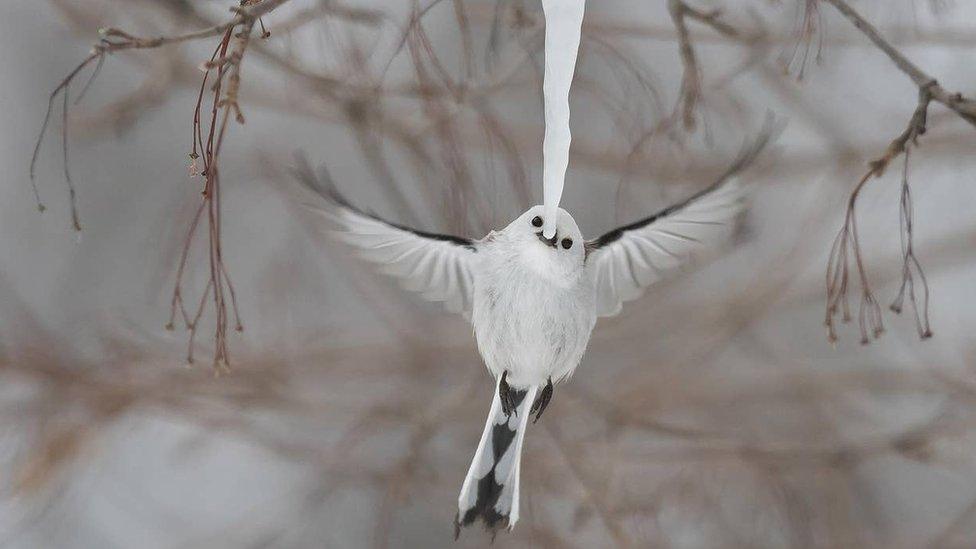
[
  {"x": 114, "y": 40},
  {"x": 910, "y": 264},
  {"x": 964, "y": 107},
  {"x": 808, "y": 26},
  {"x": 846, "y": 244},
  {"x": 691, "y": 86},
  {"x": 226, "y": 61},
  {"x": 62, "y": 88},
  {"x": 690, "y": 92}
]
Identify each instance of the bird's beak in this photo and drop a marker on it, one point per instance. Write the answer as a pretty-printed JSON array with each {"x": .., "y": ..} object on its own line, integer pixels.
[{"x": 548, "y": 241}]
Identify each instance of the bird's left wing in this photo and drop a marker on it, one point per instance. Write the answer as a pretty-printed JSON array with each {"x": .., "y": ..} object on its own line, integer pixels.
[
  {"x": 626, "y": 260},
  {"x": 434, "y": 265}
]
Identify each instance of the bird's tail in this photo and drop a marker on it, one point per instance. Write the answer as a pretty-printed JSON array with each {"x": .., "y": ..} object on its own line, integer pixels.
[{"x": 491, "y": 489}]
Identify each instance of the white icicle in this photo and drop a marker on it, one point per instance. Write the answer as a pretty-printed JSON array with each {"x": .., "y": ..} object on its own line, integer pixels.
[{"x": 563, "y": 21}]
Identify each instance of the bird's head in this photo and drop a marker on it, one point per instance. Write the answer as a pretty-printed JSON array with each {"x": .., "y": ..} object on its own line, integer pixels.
[{"x": 560, "y": 257}]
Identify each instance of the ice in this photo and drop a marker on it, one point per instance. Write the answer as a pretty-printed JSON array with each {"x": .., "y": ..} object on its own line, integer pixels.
[{"x": 563, "y": 21}]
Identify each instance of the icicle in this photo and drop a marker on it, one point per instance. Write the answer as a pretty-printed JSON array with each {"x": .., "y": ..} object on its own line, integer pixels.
[{"x": 563, "y": 21}]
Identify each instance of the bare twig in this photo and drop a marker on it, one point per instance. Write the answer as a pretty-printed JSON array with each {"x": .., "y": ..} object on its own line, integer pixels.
[
  {"x": 964, "y": 107},
  {"x": 114, "y": 40},
  {"x": 690, "y": 92},
  {"x": 227, "y": 62},
  {"x": 846, "y": 243},
  {"x": 910, "y": 264},
  {"x": 691, "y": 87},
  {"x": 809, "y": 25}
]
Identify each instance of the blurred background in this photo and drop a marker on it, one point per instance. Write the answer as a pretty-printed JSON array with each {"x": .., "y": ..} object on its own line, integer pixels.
[{"x": 713, "y": 412}]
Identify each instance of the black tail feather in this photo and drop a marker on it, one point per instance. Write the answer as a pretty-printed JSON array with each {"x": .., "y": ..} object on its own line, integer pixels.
[{"x": 489, "y": 490}]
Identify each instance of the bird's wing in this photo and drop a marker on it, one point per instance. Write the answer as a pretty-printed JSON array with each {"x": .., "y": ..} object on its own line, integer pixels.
[
  {"x": 434, "y": 265},
  {"x": 626, "y": 260}
]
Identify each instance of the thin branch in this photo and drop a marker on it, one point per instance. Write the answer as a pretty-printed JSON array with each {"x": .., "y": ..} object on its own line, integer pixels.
[
  {"x": 691, "y": 86},
  {"x": 690, "y": 92},
  {"x": 911, "y": 266},
  {"x": 62, "y": 88},
  {"x": 227, "y": 62},
  {"x": 114, "y": 40},
  {"x": 964, "y": 107},
  {"x": 809, "y": 26},
  {"x": 846, "y": 243}
]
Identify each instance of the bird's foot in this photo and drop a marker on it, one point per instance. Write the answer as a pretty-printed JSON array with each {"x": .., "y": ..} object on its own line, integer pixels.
[
  {"x": 507, "y": 396},
  {"x": 542, "y": 401}
]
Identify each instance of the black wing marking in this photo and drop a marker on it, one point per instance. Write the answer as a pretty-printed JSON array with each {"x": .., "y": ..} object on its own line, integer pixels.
[
  {"x": 324, "y": 185},
  {"x": 746, "y": 157},
  {"x": 626, "y": 260},
  {"x": 438, "y": 266}
]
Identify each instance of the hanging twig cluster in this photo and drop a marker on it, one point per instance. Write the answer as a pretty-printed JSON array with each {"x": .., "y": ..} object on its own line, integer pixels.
[
  {"x": 847, "y": 246},
  {"x": 208, "y": 134}
]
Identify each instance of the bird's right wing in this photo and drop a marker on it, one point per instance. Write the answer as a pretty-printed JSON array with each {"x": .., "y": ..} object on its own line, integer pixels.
[
  {"x": 434, "y": 265},
  {"x": 626, "y": 260}
]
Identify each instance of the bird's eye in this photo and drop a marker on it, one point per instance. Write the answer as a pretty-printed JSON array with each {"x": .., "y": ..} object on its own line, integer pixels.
[
  {"x": 567, "y": 243},
  {"x": 536, "y": 221}
]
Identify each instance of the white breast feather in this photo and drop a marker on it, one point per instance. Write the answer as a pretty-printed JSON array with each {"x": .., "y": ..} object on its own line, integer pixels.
[{"x": 526, "y": 323}]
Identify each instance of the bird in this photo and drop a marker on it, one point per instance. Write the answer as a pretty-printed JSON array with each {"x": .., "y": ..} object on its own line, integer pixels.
[{"x": 532, "y": 301}]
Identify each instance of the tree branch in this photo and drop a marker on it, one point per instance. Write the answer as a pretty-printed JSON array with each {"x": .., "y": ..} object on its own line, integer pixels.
[
  {"x": 964, "y": 107},
  {"x": 847, "y": 245},
  {"x": 114, "y": 40},
  {"x": 691, "y": 86}
]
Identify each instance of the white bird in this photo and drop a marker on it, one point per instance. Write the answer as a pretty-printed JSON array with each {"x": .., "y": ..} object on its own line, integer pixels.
[{"x": 532, "y": 301}]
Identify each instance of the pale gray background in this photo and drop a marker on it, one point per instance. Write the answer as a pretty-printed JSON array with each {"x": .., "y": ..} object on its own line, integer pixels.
[{"x": 737, "y": 347}]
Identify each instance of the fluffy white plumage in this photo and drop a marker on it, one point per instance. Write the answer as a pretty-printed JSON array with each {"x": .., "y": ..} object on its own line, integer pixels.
[
  {"x": 532, "y": 301},
  {"x": 443, "y": 270},
  {"x": 439, "y": 270}
]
